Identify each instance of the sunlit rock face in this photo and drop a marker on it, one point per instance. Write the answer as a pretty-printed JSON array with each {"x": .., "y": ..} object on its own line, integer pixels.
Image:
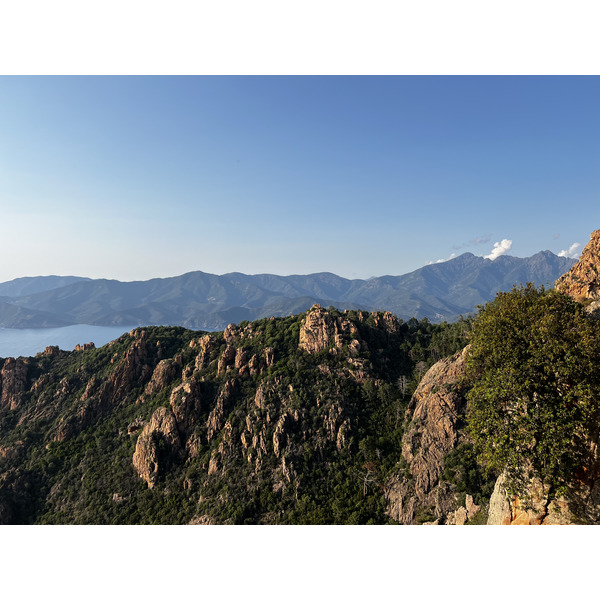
[{"x": 582, "y": 281}]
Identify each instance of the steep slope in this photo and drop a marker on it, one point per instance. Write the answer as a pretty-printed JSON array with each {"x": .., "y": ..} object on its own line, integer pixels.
[
  {"x": 290, "y": 420},
  {"x": 300, "y": 419},
  {"x": 441, "y": 482},
  {"x": 582, "y": 281}
]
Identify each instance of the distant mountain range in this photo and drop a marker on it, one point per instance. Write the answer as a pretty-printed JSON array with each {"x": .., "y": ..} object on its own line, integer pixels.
[{"x": 197, "y": 300}]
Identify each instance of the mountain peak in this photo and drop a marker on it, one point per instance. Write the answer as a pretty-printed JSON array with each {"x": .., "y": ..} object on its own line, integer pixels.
[{"x": 583, "y": 280}]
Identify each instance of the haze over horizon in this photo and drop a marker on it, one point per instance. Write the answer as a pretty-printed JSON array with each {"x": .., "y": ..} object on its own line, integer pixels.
[
  {"x": 134, "y": 178},
  {"x": 574, "y": 253}
]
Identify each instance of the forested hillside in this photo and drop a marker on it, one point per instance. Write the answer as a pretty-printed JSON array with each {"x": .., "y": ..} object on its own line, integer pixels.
[
  {"x": 284, "y": 420},
  {"x": 324, "y": 417}
]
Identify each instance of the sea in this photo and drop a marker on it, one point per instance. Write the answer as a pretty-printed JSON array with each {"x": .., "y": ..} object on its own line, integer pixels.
[{"x": 28, "y": 342}]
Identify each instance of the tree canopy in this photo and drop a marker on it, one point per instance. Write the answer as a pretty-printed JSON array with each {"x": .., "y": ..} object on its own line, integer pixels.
[{"x": 533, "y": 368}]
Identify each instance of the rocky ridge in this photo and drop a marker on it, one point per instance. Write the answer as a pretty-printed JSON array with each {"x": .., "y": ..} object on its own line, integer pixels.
[
  {"x": 274, "y": 415},
  {"x": 273, "y": 421}
]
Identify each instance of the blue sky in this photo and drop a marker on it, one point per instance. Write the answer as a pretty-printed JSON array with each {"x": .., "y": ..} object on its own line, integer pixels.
[{"x": 140, "y": 177}]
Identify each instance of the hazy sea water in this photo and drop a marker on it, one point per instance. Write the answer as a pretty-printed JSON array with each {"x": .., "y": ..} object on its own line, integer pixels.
[{"x": 28, "y": 342}]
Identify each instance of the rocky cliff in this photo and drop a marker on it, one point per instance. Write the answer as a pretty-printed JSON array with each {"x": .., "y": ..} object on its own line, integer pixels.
[
  {"x": 13, "y": 377},
  {"x": 435, "y": 427},
  {"x": 289, "y": 420},
  {"x": 582, "y": 281},
  {"x": 320, "y": 331},
  {"x": 425, "y": 491}
]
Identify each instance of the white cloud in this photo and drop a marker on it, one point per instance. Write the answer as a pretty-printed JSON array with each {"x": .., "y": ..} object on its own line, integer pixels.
[
  {"x": 499, "y": 249},
  {"x": 442, "y": 260},
  {"x": 572, "y": 252}
]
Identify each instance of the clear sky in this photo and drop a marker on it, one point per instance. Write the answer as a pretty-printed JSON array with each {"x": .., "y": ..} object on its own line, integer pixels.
[{"x": 140, "y": 177}]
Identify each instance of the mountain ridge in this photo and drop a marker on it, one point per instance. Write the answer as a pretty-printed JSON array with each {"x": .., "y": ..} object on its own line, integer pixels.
[
  {"x": 199, "y": 300},
  {"x": 321, "y": 417}
]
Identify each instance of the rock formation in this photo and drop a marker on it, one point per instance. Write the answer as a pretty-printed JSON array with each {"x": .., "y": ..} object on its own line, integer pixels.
[
  {"x": 164, "y": 372},
  {"x": 436, "y": 411},
  {"x": 13, "y": 379},
  {"x": 216, "y": 419},
  {"x": 536, "y": 510},
  {"x": 88, "y": 346},
  {"x": 582, "y": 282},
  {"x": 148, "y": 459},
  {"x": 205, "y": 346},
  {"x": 134, "y": 367},
  {"x": 320, "y": 330},
  {"x": 51, "y": 351},
  {"x": 186, "y": 403},
  {"x": 244, "y": 426}
]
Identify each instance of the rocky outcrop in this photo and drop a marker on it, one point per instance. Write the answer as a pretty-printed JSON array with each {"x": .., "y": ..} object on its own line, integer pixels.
[
  {"x": 582, "y": 282},
  {"x": 320, "y": 330},
  {"x": 50, "y": 351},
  {"x": 227, "y": 359},
  {"x": 535, "y": 510},
  {"x": 337, "y": 425},
  {"x": 149, "y": 456},
  {"x": 241, "y": 357},
  {"x": 263, "y": 395},
  {"x": 463, "y": 513},
  {"x": 579, "y": 505},
  {"x": 386, "y": 321},
  {"x": 82, "y": 347},
  {"x": 135, "y": 364},
  {"x": 13, "y": 381},
  {"x": 205, "y": 346},
  {"x": 281, "y": 435},
  {"x": 436, "y": 410},
  {"x": 216, "y": 419},
  {"x": 186, "y": 403},
  {"x": 202, "y": 520},
  {"x": 135, "y": 425},
  {"x": 164, "y": 372},
  {"x": 223, "y": 450},
  {"x": 269, "y": 355}
]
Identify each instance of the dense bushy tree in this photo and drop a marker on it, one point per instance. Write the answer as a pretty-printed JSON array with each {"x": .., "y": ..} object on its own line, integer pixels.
[{"x": 535, "y": 392}]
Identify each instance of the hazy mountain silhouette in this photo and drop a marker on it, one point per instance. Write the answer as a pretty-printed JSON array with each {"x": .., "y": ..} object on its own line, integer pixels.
[
  {"x": 33, "y": 285},
  {"x": 198, "y": 300}
]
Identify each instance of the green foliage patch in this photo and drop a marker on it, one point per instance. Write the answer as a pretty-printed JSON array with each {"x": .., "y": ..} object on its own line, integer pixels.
[
  {"x": 88, "y": 477},
  {"x": 535, "y": 386}
]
